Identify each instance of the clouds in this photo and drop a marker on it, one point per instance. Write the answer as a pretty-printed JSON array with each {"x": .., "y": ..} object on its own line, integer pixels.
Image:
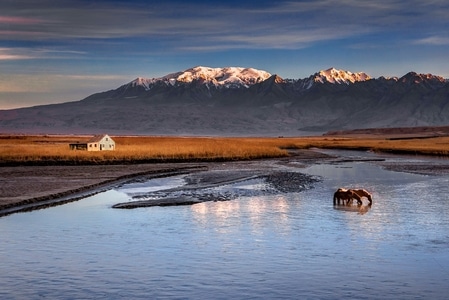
[
  {"x": 18, "y": 20},
  {"x": 198, "y": 25},
  {"x": 12, "y": 54},
  {"x": 105, "y": 37},
  {"x": 433, "y": 40},
  {"x": 38, "y": 53}
]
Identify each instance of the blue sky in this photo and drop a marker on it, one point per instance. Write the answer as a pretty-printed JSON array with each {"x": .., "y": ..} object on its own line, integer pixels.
[{"x": 59, "y": 51}]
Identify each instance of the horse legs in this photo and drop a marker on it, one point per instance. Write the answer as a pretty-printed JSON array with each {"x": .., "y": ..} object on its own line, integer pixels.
[
  {"x": 336, "y": 199},
  {"x": 356, "y": 197}
]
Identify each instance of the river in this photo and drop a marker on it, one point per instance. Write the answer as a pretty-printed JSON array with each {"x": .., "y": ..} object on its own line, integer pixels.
[{"x": 274, "y": 246}]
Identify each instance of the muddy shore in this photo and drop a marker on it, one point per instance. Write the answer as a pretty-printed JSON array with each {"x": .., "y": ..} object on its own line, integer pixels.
[{"x": 32, "y": 187}]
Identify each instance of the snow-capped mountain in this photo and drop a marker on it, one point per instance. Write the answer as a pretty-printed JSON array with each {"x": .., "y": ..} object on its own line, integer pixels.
[
  {"x": 244, "y": 101},
  {"x": 238, "y": 77},
  {"x": 333, "y": 75},
  {"x": 230, "y": 77},
  {"x": 415, "y": 78}
]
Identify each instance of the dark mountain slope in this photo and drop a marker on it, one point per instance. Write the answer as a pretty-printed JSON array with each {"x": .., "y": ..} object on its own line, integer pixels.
[{"x": 233, "y": 105}]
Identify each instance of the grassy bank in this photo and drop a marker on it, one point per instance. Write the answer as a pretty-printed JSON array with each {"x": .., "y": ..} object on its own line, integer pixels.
[{"x": 55, "y": 149}]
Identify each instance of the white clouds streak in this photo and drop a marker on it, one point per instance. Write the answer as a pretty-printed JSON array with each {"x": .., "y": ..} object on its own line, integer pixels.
[
  {"x": 433, "y": 41},
  {"x": 290, "y": 25},
  {"x": 40, "y": 53}
]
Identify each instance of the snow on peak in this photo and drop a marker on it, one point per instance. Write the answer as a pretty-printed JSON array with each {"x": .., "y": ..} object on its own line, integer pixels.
[
  {"x": 419, "y": 78},
  {"x": 238, "y": 77},
  {"x": 227, "y": 77},
  {"x": 335, "y": 76},
  {"x": 219, "y": 77},
  {"x": 139, "y": 81}
]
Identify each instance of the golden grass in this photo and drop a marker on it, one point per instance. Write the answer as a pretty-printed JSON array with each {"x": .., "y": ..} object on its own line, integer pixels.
[
  {"x": 436, "y": 146},
  {"x": 55, "y": 149}
]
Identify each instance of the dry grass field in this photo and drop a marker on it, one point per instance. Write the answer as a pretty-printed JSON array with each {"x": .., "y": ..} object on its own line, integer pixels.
[{"x": 54, "y": 149}]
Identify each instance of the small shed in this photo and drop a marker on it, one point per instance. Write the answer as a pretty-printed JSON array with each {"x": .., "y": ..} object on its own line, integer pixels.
[{"x": 102, "y": 142}]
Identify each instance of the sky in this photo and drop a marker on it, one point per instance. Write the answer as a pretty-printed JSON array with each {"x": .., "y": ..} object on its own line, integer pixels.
[{"x": 65, "y": 50}]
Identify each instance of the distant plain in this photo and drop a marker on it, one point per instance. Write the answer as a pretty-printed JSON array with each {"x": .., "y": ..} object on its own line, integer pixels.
[{"x": 54, "y": 149}]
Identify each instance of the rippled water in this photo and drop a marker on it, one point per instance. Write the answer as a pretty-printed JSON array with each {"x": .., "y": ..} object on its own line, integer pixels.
[{"x": 291, "y": 245}]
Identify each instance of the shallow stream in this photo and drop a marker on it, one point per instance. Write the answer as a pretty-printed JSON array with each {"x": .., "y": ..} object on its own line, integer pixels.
[{"x": 274, "y": 246}]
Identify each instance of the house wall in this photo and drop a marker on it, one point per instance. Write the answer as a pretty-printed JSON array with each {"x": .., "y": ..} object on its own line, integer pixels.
[
  {"x": 105, "y": 144},
  {"x": 93, "y": 147}
]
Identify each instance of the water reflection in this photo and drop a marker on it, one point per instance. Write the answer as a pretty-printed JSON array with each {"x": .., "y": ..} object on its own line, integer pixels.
[
  {"x": 222, "y": 214},
  {"x": 404, "y": 205},
  {"x": 285, "y": 245},
  {"x": 360, "y": 209}
]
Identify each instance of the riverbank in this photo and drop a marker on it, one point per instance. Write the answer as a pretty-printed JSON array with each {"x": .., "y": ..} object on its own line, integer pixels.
[
  {"x": 44, "y": 150},
  {"x": 33, "y": 187},
  {"x": 25, "y": 188}
]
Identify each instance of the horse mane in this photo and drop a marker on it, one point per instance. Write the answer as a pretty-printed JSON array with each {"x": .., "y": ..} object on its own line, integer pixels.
[{"x": 361, "y": 191}]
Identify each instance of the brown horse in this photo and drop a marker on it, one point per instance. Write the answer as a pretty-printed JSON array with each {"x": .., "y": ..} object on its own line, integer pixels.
[
  {"x": 344, "y": 194},
  {"x": 363, "y": 193}
]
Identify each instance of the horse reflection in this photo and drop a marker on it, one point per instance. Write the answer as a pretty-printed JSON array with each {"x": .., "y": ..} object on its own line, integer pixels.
[{"x": 360, "y": 209}]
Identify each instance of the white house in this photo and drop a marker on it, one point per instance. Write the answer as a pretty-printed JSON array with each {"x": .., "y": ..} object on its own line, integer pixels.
[{"x": 97, "y": 143}]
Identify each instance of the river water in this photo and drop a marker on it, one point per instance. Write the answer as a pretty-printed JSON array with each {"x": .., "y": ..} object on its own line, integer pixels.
[{"x": 276, "y": 246}]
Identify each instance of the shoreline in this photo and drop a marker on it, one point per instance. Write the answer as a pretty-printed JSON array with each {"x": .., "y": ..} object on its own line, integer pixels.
[
  {"x": 53, "y": 191},
  {"x": 26, "y": 188}
]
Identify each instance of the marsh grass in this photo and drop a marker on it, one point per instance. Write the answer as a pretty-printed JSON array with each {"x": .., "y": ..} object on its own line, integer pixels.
[{"x": 55, "y": 149}]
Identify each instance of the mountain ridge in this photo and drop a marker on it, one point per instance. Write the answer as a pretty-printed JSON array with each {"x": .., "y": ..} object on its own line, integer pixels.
[
  {"x": 244, "y": 101},
  {"x": 219, "y": 77},
  {"x": 242, "y": 76}
]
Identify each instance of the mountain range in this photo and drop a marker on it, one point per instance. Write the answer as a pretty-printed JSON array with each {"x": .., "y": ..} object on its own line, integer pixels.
[{"x": 237, "y": 101}]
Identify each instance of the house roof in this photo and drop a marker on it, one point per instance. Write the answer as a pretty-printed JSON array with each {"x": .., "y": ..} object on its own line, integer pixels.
[{"x": 97, "y": 138}]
